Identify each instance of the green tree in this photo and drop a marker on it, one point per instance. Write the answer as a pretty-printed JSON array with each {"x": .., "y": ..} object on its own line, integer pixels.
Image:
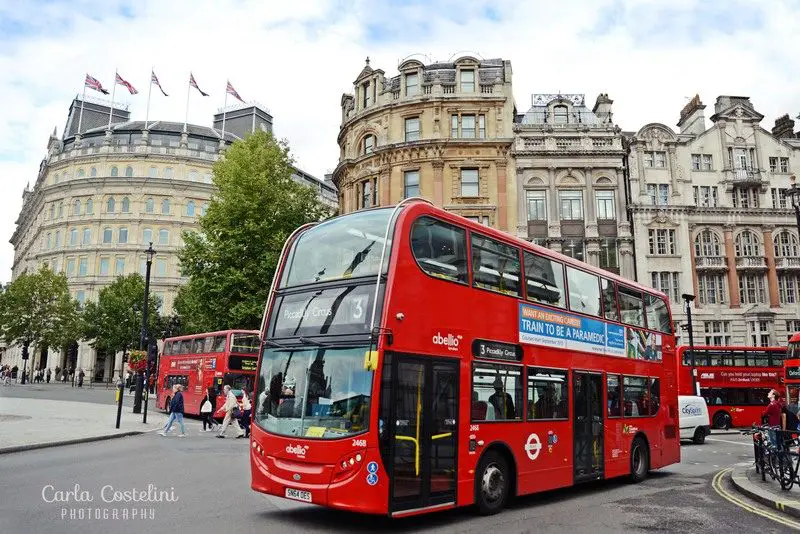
[
  {"x": 114, "y": 322},
  {"x": 230, "y": 261},
  {"x": 37, "y": 309}
]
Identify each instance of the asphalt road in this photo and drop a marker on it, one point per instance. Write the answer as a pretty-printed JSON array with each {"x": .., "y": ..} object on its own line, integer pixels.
[{"x": 210, "y": 479}]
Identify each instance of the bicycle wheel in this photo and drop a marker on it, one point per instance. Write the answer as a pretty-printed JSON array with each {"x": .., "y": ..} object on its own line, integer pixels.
[{"x": 786, "y": 470}]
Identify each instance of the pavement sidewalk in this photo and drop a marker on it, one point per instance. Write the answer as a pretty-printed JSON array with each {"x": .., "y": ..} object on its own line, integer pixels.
[
  {"x": 769, "y": 493},
  {"x": 36, "y": 423}
]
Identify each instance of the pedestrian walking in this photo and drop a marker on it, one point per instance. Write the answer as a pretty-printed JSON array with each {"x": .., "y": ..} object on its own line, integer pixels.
[
  {"x": 176, "y": 412},
  {"x": 48, "y": 375},
  {"x": 244, "y": 420},
  {"x": 207, "y": 410},
  {"x": 232, "y": 412},
  {"x": 80, "y": 378}
]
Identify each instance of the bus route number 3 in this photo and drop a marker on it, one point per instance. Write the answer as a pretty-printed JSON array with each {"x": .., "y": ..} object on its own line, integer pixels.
[
  {"x": 359, "y": 443},
  {"x": 357, "y": 308}
]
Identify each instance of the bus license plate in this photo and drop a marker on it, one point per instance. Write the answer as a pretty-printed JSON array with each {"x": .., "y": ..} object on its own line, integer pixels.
[{"x": 298, "y": 495}]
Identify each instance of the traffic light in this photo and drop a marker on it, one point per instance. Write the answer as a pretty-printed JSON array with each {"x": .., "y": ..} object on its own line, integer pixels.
[
  {"x": 125, "y": 357},
  {"x": 25, "y": 351},
  {"x": 152, "y": 353}
]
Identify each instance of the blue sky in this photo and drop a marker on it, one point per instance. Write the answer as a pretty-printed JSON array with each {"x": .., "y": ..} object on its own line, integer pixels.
[{"x": 298, "y": 58}]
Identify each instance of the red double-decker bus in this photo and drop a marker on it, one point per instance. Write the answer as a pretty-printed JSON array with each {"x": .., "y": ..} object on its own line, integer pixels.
[
  {"x": 203, "y": 361},
  {"x": 791, "y": 367},
  {"x": 734, "y": 380},
  {"x": 416, "y": 361}
]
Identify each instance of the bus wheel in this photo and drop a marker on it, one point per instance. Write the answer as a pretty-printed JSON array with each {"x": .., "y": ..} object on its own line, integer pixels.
[
  {"x": 640, "y": 460},
  {"x": 699, "y": 436},
  {"x": 722, "y": 420},
  {"x": 492, "y": 483}
]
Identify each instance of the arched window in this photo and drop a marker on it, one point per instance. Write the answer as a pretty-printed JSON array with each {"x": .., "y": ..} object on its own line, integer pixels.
[
  {"x": 73, "y": 237},
  {"x": 165, "y": 207},
  {"x": 129, "y": 171},
  {"x": 53, "y": 210},
  {"x": 108, "y": 235},
  {"x": 60, "y": 209},
  {"x": 369, "y": 144},
  {"x": 147, "y": 236},
  {"x": 707, "y": 244},
  {"x": 190, "y": 208},
  {"x": 55, "y": 178},
  {"x": 153, "y": 172},
  {"x": 93, "y": 172},
  {"x": 163, "y": 236},
  {"x": 560, "y": 115},
  {"x": 204, "y": 209},
  {"x": 148, "y": 205},
  {"x": 168, "y": 172},
  {"x": 81, "y": 173},
  {"x": 786, "y": 245},
  {"x": 76, "y": 210},
  {"x": 194, "y": 176},
  {"x": 87, "y": 236},
  {"x": 747, "y": 244},
  {"x": 123, "y": 235},
  {"x": 110, "y": 205},
  {"x": 114, "y": 171},
  {"x": 89, "y": 206},
  {"x": 126, "y": 205}
]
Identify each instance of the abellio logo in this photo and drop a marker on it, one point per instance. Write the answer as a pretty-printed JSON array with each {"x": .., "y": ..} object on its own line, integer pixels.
[
  {"x": 450, "y": 341},
  {"x": 299, "y": 450}
]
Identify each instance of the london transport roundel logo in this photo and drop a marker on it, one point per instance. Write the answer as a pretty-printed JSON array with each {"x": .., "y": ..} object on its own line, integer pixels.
[{"x": 533, "y": 446}]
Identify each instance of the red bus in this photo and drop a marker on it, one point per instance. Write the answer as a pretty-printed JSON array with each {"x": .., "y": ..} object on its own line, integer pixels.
[
  {"x": 416, "y": 361},
  {"x": 791, "y": 367},
  {"x": 210, "y": 360},
  {"x": 734, "y": 380}
]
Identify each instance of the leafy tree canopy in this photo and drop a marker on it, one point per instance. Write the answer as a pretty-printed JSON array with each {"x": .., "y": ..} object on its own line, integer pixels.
[{"x": 230, "y": 262}]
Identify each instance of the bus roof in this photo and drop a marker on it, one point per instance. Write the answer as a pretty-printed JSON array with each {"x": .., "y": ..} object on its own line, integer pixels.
[
  {"x": 743, "y": 348},
  {"x": 795, "y": 338},
  {"x": 217, "y": 333}
]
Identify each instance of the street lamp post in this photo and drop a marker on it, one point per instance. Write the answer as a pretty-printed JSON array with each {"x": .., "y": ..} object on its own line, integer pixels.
[
  {"x": 137, "y": 402},
  {"x": 794, "y": 194},
  {"x": 688, "y": 298}
]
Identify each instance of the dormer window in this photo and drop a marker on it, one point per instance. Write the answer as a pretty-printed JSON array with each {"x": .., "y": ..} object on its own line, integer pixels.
[
  {"x": 560, "y": 115},
  {"x": 467, "y": 81},
  {"x": 412, "y": 84},
  {"x": 365, "y": 94}
]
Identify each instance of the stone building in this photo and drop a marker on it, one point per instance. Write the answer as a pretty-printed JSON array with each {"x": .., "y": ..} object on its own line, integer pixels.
[
  {"x": 711, "y": 218},
  {"x": 103, "y": 194},
  {"x": 569, "y": 162},
  {"x": 442, "y": 131}
]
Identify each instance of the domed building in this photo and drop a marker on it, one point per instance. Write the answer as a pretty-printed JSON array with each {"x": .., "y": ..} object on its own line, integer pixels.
[
  {"x": 442, "y": 131},
  {"x": 103, "y": 194}
]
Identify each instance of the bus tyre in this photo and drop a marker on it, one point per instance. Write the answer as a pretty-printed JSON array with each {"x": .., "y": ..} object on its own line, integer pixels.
[
  {"x": 640, "y": 460},
  {"x": 699, "y": 436},
  {"x": 722, "y": 420},
  {"x": 492, "y": 483}
]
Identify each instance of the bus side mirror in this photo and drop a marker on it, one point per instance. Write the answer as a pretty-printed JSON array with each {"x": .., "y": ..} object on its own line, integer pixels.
[{"x": 371, "y": 360}]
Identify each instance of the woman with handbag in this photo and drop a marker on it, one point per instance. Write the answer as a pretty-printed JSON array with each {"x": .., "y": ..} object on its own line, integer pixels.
[
  {"x": 232, "y": 413},
  {"x": 207, "y": 411}
]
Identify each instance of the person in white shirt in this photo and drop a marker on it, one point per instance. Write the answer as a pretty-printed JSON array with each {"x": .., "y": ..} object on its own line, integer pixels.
[
  {"x": 244, "y": 420},
  {"x": 230, "y": 407}
]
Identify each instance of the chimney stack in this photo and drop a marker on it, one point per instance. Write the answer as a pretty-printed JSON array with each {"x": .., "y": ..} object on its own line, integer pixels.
[
  {"x": 784, "y": 127},
  {"x": 602, "y": 108},
  {"x": 693, "y": 119}
]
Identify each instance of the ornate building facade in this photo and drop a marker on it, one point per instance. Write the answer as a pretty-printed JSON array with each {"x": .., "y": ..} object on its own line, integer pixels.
[
  {"x": 104, "y": 193},
  {"x": 713, "y": 199},
  {"x": 570, "y": 177},
  {"x": 442, "y": 131}
]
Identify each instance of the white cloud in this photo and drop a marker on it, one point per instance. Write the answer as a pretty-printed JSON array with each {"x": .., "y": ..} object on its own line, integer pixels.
[{"x": 298, "y": 58}]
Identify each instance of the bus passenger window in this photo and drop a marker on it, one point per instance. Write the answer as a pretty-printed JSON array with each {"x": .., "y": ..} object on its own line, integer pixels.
[
  {"x": 635, "y": 391},
  {"x": 584, "y": 292},
  {"x": 655, "y": 395},
  {"x": 498, "y": 390},
  {"x": 610, "y": 309},
  {"x": 495, "y": 266},
  {"x": 630, "y": 306},
  {"x": 544, "y": 279},
  {"x": 440, "y": 249},
  {"x": 613, "y": 406},
  {"x": 219, "y": 343},
  {"x": 657, "y": 314},
  {"x": 547, "y": 394}
]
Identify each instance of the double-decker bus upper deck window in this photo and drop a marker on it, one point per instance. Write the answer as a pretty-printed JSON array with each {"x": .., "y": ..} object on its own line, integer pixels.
[
  {"x": 245, "y": 343},
  {"x": 440, "y": 249},
  {"x": 609, "y": 290},
  {"x": 584, "y": 292},
  {"x": 495, "y": 266},
  {"x": 657, "y": 314},
  {"x": 544, "y": 279},
  {"x": 547, "y": 393},
  {"x": 219, "y": 343},
  {"x": 343, "y": 247},
  {"x": 630, "y": 306},
  {"x": 168, "y": 347},
  {"x": 197, "y": 345},
  {"x": 208, "y": 344}
]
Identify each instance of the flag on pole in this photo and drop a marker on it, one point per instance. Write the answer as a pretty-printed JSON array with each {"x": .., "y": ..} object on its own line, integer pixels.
[
  {"x": 94, "y": 83},
  {"x": 130, "y": 88},
  {"x": 193, "y": 83},
  {"x": 232, "y": 92},
  {"x": 154, "y": 80}
]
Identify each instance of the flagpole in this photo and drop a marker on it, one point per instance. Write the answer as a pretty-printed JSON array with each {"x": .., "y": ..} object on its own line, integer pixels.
[
  {"x": 188, "y": 90},
  {"x": 113, "y": 90},
  {"x": 225, "y": 105},
  {"x": 149, "y": 90},
  {"x": 80, "y": 117}
]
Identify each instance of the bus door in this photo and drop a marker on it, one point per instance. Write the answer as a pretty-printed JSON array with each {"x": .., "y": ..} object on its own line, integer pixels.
[
  {"x": 587, "y": 390},
  {"x": 424, "y": 412}
]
